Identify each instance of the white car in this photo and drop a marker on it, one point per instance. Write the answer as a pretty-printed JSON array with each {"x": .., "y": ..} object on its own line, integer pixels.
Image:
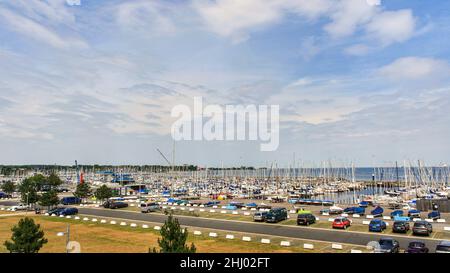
[{"x": 19, "y": 207}]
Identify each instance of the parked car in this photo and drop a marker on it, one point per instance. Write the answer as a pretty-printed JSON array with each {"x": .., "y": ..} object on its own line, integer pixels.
[
  {"x": 332, "y": 211},
  {"x": 388, "y": 245},
  {"x": 20, "y": 207},
  {"x": 422, "y": 228},
  {"x": 434, "y": 215},
  {"x": 70, "y": 200},
  {"x": 417, "y": 247},
  {"x": 306, "y": 219},
  {"x": 377, "y": 225},
  {"x": 68, "y": 211},
  {"x": 4, "y": 195},
  {"x": 260, "y": 216},
  {"x": 118, "y": 205},
  {"x": 414, "y": 213},
  {"x": 341, "y": 222},
  {"x": 443, "y": 247},
  {"x": 276, "y": 215},
  {"x": 62, "y": 189},
  {"x": 149, "y": 207},
  {"x": 55, "y": 211},
  {"x": 400, "y": 227},
  {"x": 114, "y": 204}
]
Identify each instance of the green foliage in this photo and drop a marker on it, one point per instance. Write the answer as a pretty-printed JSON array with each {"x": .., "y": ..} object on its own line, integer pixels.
[
  {"x": 27, "y": 237},
  {"x": 173, "y": 239},
  {"x": 53, "y": 180},
  {"x": 8, "y": 187},
  {"x": 103, "y": 193},
  {"x": 49, "y": 199},
  {"x": 28, "y": 190},
  {"x": 39, "y": 180},
  {"x": 83, "y": 190},
  {"x": 7, "y": 170}
]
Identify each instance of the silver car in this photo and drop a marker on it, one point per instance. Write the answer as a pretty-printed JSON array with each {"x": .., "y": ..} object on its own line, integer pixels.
[
  {"x": 149, "y": 207},
  {"x": 443, "y": 247},
  {"x": 260, "y": 216}
]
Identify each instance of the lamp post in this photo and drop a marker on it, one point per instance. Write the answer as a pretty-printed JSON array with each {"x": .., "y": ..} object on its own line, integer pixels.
[{"x": 67, "y": 233}]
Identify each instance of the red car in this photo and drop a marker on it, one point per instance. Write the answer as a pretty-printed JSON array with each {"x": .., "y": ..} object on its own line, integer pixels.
[{"x": 341, "y": 222}]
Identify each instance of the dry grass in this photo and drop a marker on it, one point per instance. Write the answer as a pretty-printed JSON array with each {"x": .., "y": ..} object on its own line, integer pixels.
[{"x": 106, "y": 238}]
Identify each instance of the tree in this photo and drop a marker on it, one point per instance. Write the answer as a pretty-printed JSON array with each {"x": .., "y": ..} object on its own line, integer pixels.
[
  {"x": 27, "y": 237},
  {"x": 53, "y": 181},
  {"x": 49, "y": 199},
  {"x": 173, "y": 238},
  {"x": 39, "y": 180},
  {"x": 83, "y": 190},
  {"x": 9, "y": 187},
  {"x": 103, "y": 193},
  {"x": 28, "y": 191}
]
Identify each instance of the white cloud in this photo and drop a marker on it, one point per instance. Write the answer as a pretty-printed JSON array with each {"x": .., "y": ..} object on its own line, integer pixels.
[
  {"x": 416, "y": 68},
  {"x": 347, "y": 16},
  {"x": 148, "y": 16},
  {"x": 32, "y": 28},
  {"x": 237, "y": 18},
  {"x": 392, "y": 26},
  {"x": 357, "y": 50}
]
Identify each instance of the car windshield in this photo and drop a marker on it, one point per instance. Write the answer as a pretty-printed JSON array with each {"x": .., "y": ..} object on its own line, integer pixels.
[
  {"x": 416, "y": 245},
  {"x": 443, "y": 248},
  {"x": 386, "y": 242}
]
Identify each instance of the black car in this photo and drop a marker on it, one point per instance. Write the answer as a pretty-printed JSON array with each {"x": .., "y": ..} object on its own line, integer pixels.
[
  {"x": 400, "y": 227},
  {"x": 388, "y": 245},
  {"x": 115, "y": 204},
  {"x": 422, "y": 228},
  {"x": 306, "y": 219},
  {"x": 276, "y": 215},
  {"x": 118, "y": 205},
  {"x": 417, "y": 247}
]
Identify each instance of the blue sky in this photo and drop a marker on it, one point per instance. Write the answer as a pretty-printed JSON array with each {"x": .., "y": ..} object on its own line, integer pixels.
[{"x": 361, "y": 81}]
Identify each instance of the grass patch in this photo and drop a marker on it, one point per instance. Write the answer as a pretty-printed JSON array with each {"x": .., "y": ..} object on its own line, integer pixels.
[{"x": 107, "y": 238}]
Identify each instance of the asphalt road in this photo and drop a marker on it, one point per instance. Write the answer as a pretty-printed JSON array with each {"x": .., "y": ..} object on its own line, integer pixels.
[{"x": 336, "y": 236}]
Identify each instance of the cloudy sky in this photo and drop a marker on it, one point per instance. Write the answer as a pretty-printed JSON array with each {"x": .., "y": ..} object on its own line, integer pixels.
[{"x": 356, "y": 80}]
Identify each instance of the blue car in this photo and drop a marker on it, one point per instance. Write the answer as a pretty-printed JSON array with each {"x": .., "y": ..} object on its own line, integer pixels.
[
  {"x": 68, "y": 211},
  {"x": 377, "y": 225}
]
